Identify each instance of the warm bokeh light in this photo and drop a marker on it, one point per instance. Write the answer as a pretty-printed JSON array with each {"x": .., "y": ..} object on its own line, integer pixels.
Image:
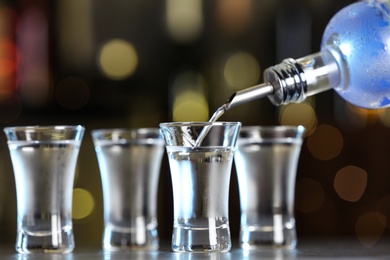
[
  {"x": 299, "y": 114},
  {"x": 190, "y": 106},
  {"x": 325, "y": 143},
  {"x": 35, "y": 70},
  {"x": 234, "y": 16},
  {"x": 72, "y": 93},
  {"x": 350, "y": 183},
  {"x": 83, "y": 203},
  {"x": 184, "y": 19},
  {"x": 75, "y": 35},
  {"x": 8, "y": 18},
  {"x": 369, "y": 228},
  {"x": 309, "y": 195},
  {"x": 9, "y": 59},
  {"x": 241, "y": 70},
  {"x": 188, "y": 94},
  {"x": 118, "y": 59}
]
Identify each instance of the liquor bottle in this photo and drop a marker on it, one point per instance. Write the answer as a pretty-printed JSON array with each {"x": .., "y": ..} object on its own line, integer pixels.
[{"x": 354, "y": 60}]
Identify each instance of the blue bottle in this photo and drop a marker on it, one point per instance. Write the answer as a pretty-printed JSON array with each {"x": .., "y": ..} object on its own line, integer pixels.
[{"x": 354, "y": 60}]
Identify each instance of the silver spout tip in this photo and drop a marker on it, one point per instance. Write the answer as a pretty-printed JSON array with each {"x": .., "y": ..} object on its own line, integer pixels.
[{"x": 250, "y": 94}]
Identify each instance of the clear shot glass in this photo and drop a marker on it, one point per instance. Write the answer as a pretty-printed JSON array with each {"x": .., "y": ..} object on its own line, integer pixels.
[
  {"x": 129, "y": 162},
  {"x": 266, "y": 162},
  {"x": 44, "y": 161},
  {"x": 200, "y": 157}
]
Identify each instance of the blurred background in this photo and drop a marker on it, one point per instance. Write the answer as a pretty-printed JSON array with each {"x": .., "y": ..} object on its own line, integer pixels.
[{"x": 132, "y": 63}]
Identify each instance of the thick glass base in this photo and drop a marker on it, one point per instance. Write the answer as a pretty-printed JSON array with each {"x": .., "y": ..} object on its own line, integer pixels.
[
  {"x": 116, "y": 239},
  {"x": 266, "y": 237},
  {"x": 45, "y": 242},
  {"x": 186, "y": 239}
]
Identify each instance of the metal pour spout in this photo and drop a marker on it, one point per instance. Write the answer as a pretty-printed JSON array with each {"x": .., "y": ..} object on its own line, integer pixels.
[{"x": 250, "y": 94}]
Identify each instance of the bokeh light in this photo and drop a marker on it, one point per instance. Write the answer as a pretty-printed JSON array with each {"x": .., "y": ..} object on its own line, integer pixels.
[
  {"x": 83, "y": 204},
  {"x": 309, "y": 195},
  {"x": 190, "y": 106},
  {"x": 350, "y": 183},
  {"x": 118, "y": 59},
  {"x": 76, "y": 35},
  {"x": 184, "y": 19},
  {"x": 72, "y": 93},
  {"x": 299, "y": 114},
  {"x": 8, "y": 18},
  {"x": 234, "y": 16},
  {"x": 241, "y": 70},
  {"x": 8, "y": 57},
  {"x": 369, "y": 228},
  {"x": 325, "y": 143},
  {"x": 189, "y": 101}
]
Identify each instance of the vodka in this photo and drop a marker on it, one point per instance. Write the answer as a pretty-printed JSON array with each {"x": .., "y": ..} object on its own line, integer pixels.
[
  {"x": 44, "y": 175},
  {"x": 130, "y": 172},
  {"x": 200, "y": 180},
  {"x": 266, "y": 172}
]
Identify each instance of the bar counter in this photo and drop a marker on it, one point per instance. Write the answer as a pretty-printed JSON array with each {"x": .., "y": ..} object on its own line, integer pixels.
[{"x": 315, "y": 248}]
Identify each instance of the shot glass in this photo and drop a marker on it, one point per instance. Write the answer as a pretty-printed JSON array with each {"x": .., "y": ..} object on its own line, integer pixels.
[
  {"x": 129, "y": 162},
  {"x": 200, "y": 157},
  {"x": 44, "y": 161},
  {"x": 266, "y": 162}
]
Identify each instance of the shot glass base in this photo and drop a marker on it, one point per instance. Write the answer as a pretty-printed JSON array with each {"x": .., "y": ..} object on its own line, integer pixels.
[
  {"x": 116, "y": 240},
  {"x": 283, "y": 238},
  {"x": 201, "y": 240},
  {"x": 42, "y": 242}
]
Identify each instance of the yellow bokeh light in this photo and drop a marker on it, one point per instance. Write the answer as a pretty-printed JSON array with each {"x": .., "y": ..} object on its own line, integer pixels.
[
  {"x": 369, "y": 228},
  {"x": 241, "y": 70},
  {"x": 184, "y": 19},
  {"x": 234, "y": 16},
  {"x": 118, "y": 59},
  {"x": 350, "y": 183},
  {"x": 325, "y": 143},
  {"x": 83, "y": 203},
  {"x": 299, "y": 114},
  {"x": 190, "y": 106}
]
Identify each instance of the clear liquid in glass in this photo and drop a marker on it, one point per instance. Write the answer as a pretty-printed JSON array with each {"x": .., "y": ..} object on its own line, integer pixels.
[
  {"x": 44, "y": 175},
  {"x": 130, "y": 173},
  {"x": 200, "y": 180},
  {"x": 266, "y": 177}
]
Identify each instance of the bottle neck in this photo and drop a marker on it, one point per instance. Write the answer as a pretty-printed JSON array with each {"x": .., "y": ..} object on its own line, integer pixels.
[{"x": 294, "y": 80}]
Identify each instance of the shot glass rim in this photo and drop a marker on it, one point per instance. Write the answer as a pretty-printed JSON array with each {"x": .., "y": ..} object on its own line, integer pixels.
[
  {"x": 43, "y": 127},
  {"x": 300, "y": 128},
  {"x": 124, "y": 129},
  {"x": 299, "y": 132},
  {"x": 79, "y": 129},
  {"x": 141, "y": 130},
  {"x": 199, "y": 123}
]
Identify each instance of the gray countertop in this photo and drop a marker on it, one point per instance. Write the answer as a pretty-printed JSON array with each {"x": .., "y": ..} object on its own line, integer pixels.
[{"x": 315, "y": 248}]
